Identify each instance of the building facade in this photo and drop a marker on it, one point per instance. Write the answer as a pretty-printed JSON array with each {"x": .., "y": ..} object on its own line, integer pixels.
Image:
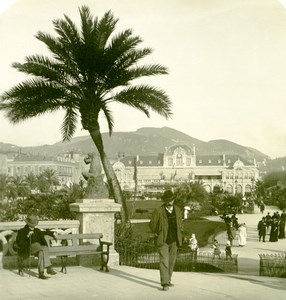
[
  {"x": 179, "y": 163},
  {"x": 68, "y": 167}
]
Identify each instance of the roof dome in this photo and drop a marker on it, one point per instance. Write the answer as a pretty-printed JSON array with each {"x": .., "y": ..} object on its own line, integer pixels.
[{"x": 179, "y": 148}]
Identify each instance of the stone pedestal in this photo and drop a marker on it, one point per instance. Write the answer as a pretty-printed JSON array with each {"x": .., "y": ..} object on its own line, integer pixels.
[{"x": 97, "y": 216}]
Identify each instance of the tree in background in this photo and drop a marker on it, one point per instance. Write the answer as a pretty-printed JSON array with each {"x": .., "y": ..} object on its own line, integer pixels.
[
  {"x": 47, "y": 181},
  {"x": 232, "y": 203},
  {"x": 193, "y": 195},
  {"x": 272, "y": 189},
  {"x": 217, "y": 199},
  {"x": 88, "y": 70},
  {"x": 44, "y": 199},
  {"x": 4, "y": 181}
]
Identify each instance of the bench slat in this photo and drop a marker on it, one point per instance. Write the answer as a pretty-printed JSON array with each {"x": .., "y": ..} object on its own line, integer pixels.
[{"x": 77, "y": 236}]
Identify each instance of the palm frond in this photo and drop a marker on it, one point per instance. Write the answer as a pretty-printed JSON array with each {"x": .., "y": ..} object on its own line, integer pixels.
[
  {"x": 87, "y": 24},
  {"x": 69, "y": 124},
  {"x": 68, "y": 32},
  {"x": 146, "y": 98},
  {"x": 105, "y": 28},
  {"x": 147, "y": 70},
  {"x": 40, "y": 66},
  {"x": 59, "y": 52},
  {"x": 31, "y": 98},
  {"x": 109, "y": 118}
]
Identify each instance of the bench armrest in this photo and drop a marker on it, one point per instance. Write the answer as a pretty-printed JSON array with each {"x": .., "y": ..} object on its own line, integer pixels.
[
  {"x": 104, "y": 247},
  {"x": 106, "y": 243}
]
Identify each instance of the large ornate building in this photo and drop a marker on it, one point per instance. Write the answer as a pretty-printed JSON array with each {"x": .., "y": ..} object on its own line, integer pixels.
[{"x": 179, "y": 163}]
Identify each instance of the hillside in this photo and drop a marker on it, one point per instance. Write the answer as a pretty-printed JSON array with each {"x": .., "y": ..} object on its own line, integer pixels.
[{"x": 145, "y": 140}]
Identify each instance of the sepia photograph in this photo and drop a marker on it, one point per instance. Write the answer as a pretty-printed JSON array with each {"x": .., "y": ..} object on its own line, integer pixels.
[{"x": 142, "y": 149}]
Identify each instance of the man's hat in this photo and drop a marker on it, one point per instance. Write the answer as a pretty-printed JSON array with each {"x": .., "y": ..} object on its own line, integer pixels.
[
  {"x": 168, "y": 196},
  {"x": 32, "y": 220}
]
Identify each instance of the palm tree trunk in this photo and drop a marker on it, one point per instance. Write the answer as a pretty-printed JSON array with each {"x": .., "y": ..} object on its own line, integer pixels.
[{"x": 110, "y": 174}]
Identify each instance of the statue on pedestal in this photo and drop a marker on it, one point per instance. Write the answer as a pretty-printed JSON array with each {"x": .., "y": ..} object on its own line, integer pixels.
[{"x": 96, "y": 188}]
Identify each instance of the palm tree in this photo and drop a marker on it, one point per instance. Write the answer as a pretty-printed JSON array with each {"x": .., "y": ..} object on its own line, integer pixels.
[
  {"x": 17, "y": 187},
  {"x": 4, "y": 182},
  {"x": 89, "y": 69},
  {"x": 48, "y": 180},
  {"x": 31, "y": 180}
]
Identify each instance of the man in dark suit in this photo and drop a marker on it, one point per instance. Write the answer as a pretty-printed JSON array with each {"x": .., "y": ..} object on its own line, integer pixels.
[
  {"x": 261, "y": 227},
  {"x": 166, "y": 224},
  {"x": 30, "y": 240}
]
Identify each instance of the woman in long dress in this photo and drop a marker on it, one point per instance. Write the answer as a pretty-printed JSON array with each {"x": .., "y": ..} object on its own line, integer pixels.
[{"x": 242, "y": 235}]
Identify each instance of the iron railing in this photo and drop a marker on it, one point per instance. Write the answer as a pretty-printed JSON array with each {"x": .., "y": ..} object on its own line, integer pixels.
[
  {"x": 145, "y": 255},
  {"x": 273, "y": 265}
]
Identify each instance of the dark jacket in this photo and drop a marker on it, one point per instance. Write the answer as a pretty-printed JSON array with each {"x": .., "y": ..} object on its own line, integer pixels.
[
  {"x": 23, "y": 242},
  {"x": 159, "y": 225}
]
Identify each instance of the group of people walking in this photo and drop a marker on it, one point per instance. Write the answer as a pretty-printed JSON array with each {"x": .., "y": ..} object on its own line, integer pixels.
[
  {"x": 272, "y": 225},
  {"x": 233, "y": 227}
]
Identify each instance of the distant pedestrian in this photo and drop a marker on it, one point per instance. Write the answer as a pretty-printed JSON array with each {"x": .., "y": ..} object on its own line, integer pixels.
[
  {"x": 234, "y": 221},
  {"x": 262, "y": 207},
  {"x": 281, "y": 226},
  {"x": 242, "y": 235},
  {"x": 166, "y": 224},
  {"x": 274, "y": 231},
  {"x": 216, "y": 249},
  {"x": 228, "y": 252},
  {"x": 268, "y": 220},
  {"x": 229, "y": 229},
  {"x": 262, "y": 227}
]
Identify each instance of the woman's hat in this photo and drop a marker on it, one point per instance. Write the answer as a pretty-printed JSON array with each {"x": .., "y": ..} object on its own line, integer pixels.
[
  {"x": 32, "y": 220},
  {"x": 168, "y": 196}
]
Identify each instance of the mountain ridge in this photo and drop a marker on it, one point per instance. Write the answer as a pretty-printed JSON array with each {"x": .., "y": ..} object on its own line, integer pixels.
[{"x": 145, "y": 140}]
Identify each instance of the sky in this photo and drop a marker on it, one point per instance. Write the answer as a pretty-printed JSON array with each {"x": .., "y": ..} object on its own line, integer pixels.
[{"x": 226, "y": 63}]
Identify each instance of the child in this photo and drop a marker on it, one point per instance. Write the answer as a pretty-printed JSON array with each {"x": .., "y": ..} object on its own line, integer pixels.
[
  {"x": 228, "y": 253},
  {"x": 216, "y": 248},
  {"x": 193, "y": 243}
]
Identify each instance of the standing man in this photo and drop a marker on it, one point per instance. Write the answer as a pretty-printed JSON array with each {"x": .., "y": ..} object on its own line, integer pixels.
[
  {"x": 31, "y": 240},
  {"x": 261, "y": 227},
  {"x": 166, "y": 224}
]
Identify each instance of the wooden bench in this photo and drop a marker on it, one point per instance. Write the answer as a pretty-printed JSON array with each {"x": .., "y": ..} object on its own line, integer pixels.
[{"x": 77, "y": 244}]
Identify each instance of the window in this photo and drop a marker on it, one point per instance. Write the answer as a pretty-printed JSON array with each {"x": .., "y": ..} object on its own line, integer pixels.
[
  {"x": 179, "y": 160},
  {"x": 200, "y": 161}
]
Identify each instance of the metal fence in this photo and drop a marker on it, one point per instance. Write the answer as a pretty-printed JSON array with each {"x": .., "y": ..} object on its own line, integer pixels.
[
  {"x": 273, "y": 265},
  {"x": 145, "y": 255}
]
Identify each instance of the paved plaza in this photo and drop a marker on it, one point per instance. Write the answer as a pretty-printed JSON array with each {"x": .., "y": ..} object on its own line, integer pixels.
[{"x": 134, "y": 283}]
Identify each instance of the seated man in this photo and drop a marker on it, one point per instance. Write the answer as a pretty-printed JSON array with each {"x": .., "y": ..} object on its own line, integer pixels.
[{"x": 30, "y": 240}]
